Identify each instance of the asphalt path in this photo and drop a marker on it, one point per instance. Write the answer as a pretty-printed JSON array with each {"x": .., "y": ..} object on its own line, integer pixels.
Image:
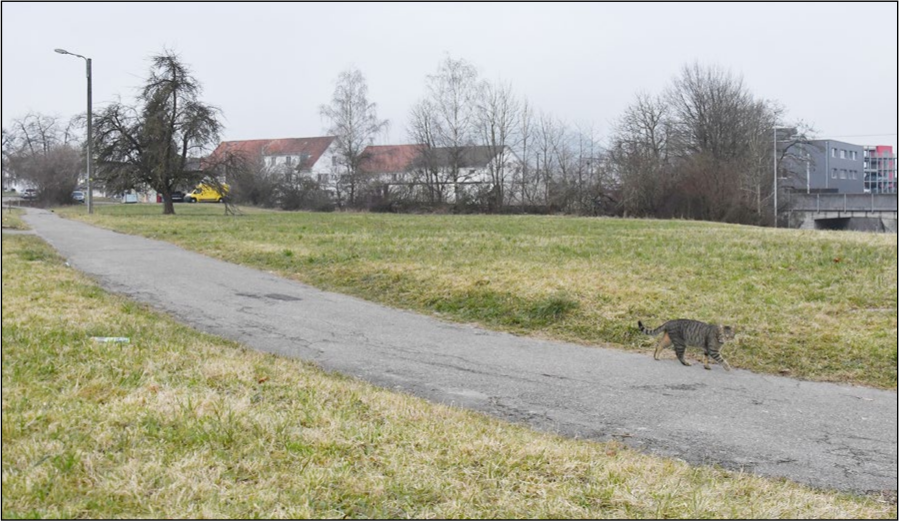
[{"x": 824, "y": 435}]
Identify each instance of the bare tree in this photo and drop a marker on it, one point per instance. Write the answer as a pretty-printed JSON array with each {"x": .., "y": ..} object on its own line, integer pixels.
[
  {"x": 496, "y": 123},
  {"x": 545, "y": 154},
  {"x": 702, "y": 150},
  {"x": 563, "y": 193},
  {"x": 452, "y": 93},
  {"x": 639, "y": 152},
  {"x": 426, "y": 170},
  {"x": 254, "y": 184},
  {"x": 708, "y": 104},
  {"x": 353, "y": 119},
  {"x": 37, "y": 150},
  {"x": 152, "y": 144},
  {"x": 7, "y": 148},
  {"x": 528, "y": 182},
  {"x": 756, "y": 181},
  {"x": 593, "y": 192}
]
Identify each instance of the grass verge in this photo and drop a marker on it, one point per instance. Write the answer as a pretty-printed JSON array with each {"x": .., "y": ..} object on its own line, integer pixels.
[
  {"x": 808, "y": 304},
  {"x": 12, "y": 219},
  {"x": 181, "y": 424}
]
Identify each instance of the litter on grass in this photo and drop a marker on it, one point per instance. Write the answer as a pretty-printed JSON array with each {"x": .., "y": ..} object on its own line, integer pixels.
[{"x": 112, "y": 339}]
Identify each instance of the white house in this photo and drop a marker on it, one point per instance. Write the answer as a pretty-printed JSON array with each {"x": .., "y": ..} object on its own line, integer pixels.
[
  {"x": 311, "y": 157},
  {"x": 420, "y": 168}
]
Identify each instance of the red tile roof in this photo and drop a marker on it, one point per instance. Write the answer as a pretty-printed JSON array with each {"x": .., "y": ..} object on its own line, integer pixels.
[
  {"x": 257, "y": 148},
  {"x": 389, "y": 159}
]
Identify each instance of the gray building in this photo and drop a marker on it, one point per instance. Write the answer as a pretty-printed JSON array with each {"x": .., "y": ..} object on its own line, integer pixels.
[{"x": 826, "y": 165}]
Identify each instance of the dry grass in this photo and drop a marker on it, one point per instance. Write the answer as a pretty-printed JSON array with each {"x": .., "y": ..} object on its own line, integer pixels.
[
  {"x": 180, "y": 424},
  {"x": 12, "y": 219},
  {"x": 812, "y": 305}
]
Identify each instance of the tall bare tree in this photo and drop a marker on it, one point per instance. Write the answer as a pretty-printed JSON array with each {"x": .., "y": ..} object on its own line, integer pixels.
[
  {"x": 593, "y": 191},
  {"x": 548, "y": 135},
  {"x": 639, "y": 152},
  {"x": 427, "y": 171},
  {"x": 452, "y": 92},
  {"x": 496, "y": 121},
  {"x": 528, "y": 183},
  {"x": 353, "y": 119},
  {"x": 153, "y": 143}
]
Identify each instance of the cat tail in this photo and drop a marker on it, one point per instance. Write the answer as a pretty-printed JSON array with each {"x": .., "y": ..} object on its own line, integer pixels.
[{"x": 653, "y": 332}]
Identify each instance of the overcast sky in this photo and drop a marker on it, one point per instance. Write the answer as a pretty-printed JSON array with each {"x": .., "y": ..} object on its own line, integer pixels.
[{"x": 270, "y": 66}]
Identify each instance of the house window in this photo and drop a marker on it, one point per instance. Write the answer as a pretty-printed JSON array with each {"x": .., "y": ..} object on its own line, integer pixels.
[
  {"x": 833, "y": 153},
  {"x": 833, "y": 175},
  {"x": 323, "y": 179},
  {"x": 303, "y": 161},
  {"x": 288, "y": 160},
  {"x": 333, "y": 160},
  {"x": 842, "y": 154}
]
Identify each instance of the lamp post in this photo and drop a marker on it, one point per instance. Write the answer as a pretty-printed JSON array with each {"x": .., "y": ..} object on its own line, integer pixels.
[
  {"x": 775, "y": 169},
  {"x": 90, "y": 144},
  {"x": 808, "y": 172}
]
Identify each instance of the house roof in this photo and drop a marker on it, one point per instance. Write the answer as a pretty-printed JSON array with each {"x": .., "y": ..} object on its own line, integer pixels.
[
  {"x": 469, "y": 157},
  {"x": 389, "y": 158},
  {"x": 258, "y": 148}
]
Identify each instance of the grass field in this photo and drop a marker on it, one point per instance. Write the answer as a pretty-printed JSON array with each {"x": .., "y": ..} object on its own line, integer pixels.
[
  {"x": 812, "y": 305},
  {"x": 179, "y": 424}
]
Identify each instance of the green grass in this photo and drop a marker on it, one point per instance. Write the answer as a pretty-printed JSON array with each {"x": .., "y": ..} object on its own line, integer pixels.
[
  {"x": 178, "y": 424},
  {"x": 12, "y": 219},
  {"x": 812, "y": 305}
]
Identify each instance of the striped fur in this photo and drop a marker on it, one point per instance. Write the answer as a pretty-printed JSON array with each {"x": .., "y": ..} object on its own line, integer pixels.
[{"x": 683, "y": 333}]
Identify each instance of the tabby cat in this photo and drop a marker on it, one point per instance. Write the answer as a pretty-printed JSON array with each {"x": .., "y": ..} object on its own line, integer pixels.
[{"x": 683, "y": 333}]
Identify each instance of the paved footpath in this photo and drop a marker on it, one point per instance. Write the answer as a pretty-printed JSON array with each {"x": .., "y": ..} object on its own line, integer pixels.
[{"x": 825, "y": 435}]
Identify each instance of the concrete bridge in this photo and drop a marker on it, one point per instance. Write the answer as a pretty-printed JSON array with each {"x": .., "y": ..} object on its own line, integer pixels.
[{"x": 859, "y": 212}]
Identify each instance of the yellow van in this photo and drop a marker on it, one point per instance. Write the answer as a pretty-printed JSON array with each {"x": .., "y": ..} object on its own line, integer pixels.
[{"x": 204, "y": 193}]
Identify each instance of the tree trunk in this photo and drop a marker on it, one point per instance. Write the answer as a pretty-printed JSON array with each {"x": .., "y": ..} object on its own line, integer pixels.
[{"x": 168, "y": 207}]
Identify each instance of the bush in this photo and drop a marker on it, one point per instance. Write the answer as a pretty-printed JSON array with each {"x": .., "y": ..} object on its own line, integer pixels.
[{"x": 306, "y": 194}]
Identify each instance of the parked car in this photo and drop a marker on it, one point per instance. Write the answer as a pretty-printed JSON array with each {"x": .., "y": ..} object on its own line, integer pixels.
[
  {"x": 204, "y": 193},
  {"x": 29, "y": 194},
  {"x": 177, "y": 196},
  {"x": 78, "y": 196}
]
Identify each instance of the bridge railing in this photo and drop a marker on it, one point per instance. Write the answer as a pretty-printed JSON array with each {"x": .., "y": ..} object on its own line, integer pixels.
[{"x": 843, "y": 202}]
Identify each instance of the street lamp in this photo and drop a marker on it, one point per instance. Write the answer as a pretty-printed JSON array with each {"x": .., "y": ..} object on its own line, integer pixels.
[
  {"x": 90, "y": 194},
  {"x": 775, "y": 169}
]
